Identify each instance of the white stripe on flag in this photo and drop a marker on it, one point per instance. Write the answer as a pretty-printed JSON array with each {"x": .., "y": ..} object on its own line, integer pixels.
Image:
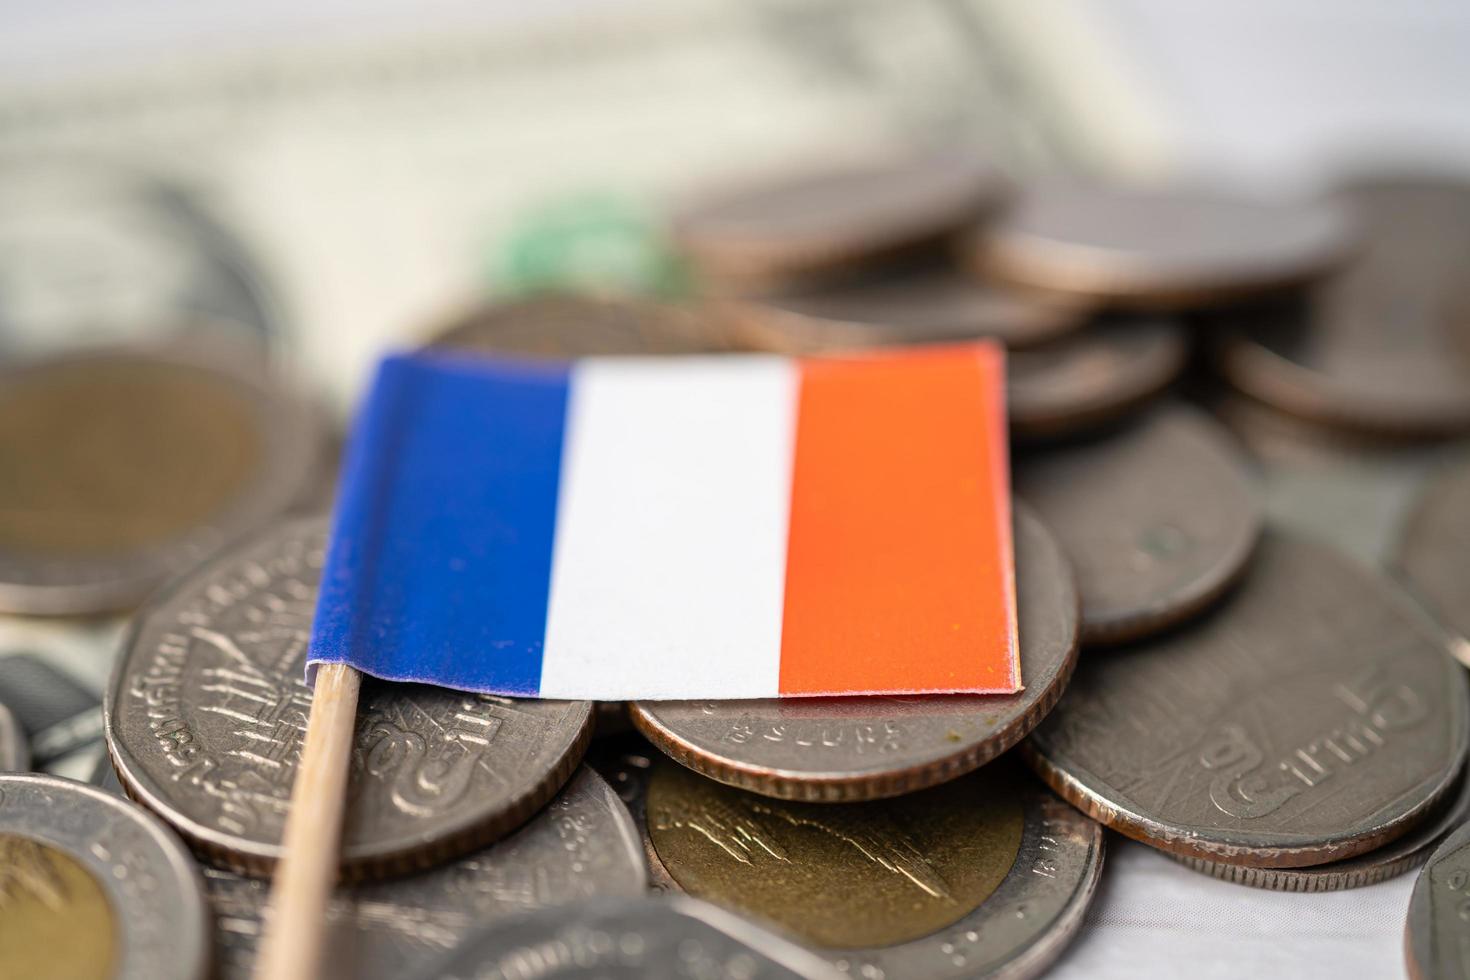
[{"x": 669, "y": 567}]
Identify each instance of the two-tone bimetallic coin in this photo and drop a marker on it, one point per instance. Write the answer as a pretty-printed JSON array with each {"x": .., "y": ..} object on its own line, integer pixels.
[
  {"x": 583, "y": 845},
  {"x": 1314, "y": 715},
  {"x": 819, "y": 223},
  {"x": 1434, "y": 551},
  {"x": 207, "y": 709},
  {"x": 1159, "y": 247},
  {"x": 1388, "y": 861},
  {"x": 15, "y": 754},
  {"x": 927, "y": 303},
  {"x": 985, "y": 876},
  {"x": 124, "y": 467},
  {"x": 93, "y": 888},
  {"x": 833, "y": 749},
  {"x": 1092, "y": 378},
  {"x": 670, "y": 938},
  {"x": 1381, "y": 346},
  {"x": 566, "y": 326},
  {"x": 1158, "y": 518},
  {"x": 1435, "y": 930}
]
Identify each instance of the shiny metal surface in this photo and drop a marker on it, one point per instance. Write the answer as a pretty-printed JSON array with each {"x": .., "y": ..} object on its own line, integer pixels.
[
  {"x": 1093, "y": 378},
  {"x": 1434, "y": 932},
  {"x": 15, "y": 753},
  {"x": 200, "y": 444},
  {"x": 1433, "y": 552},
  {"x": 210, "y": 685},
  {"x": 1159, "y": 247},
  {"x": 583, "y": 845},
  {"x": 1158, "y": 519},
  {"x": 833, "y": 749},
  {"x": 669, "y": 938},
  {"x": 1314, "y": 715},
  {"x": 147, "y": 877}
]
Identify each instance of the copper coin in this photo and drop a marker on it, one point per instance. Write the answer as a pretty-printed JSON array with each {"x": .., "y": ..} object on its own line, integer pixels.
[
  {"x": 1314, "y": 715},
  {"x": 1168, "y": 247},
  {"x": 926, "y": 303},
  {"x": 1383, "y": 346},
  {"x": 818, "y": 222},
  {"x": 125, "y": 466},
  {"x": 1158, "y": 519},
  {"x": 834, "y": 749},
  {"x": 1093, "y": 377},
  {"x": 1434, "y": 551},
  {"x": 565, "y": 326},
  {"x": 1389, "y": 861}
]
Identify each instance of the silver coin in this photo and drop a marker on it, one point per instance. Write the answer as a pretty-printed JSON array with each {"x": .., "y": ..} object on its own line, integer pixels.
[
  {"x": 15, "y": 754},
  {"x": 668, "y": 938},
  {"x": 1158, "y": 519},
  {"x": 63, "y": 842},
  {"x": 831, "y": 749},
  {"x": 200, "y": 445},
  {"x": 207, "y": 708},
  {"x": 1159, "y": 247},
  {"x": 583, "y": 845},
  {"x": 1434, "y": 931},
  {"x": 1092, "y": 378},
  {"x": 1314, "y": 715},
  {"x": 1381, "y": 346},
  {"x": 1434, "y": 551},
  {"x": 1388, "y": 861},
  {"x": 1025, "y": 924}
]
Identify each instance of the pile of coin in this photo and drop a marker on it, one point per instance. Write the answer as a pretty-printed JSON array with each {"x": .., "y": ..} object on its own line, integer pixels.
[{"x": 1205, "y": 671}]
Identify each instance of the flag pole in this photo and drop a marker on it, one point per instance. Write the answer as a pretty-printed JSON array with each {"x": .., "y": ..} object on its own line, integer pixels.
[{"x": 304, "y": 877}]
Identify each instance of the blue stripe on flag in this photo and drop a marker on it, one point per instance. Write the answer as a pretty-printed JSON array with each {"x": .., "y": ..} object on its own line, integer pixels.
[{"x": 439, "y": 567}]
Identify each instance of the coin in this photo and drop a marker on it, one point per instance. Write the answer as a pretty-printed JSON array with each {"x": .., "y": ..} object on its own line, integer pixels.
[
  {"x": 1092, "y": 378},
  {"x": 15, "y": 754},
  {"x": 1434, "y": 550},
  {"x": 1434, "y": 932},
  {"x": 1168, "y": 247},
  {"x": 92, "y": 887},
  {"x": 1312, "y": 716},
  {"x": 667, "y": 938},
  {"x": 583, "y": 845},
  {"x": 1382, "y": 346},
  {"x": 832, "y": 749},
  {"x": 207, "y": 708},
  {"x": 1381, "y": 864},
  {"x": 580, "y": 326},
  {"x": 815, "y": 223},
  {"x": 124, "y": 467},
  {"x": 912, "y": 304},
  {"x": 1158, "y": 519},
  {"x": 984, "y": 876}
]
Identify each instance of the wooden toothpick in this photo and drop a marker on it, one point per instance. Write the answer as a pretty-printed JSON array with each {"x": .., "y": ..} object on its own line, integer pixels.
[{"x": 296, "y": 926}]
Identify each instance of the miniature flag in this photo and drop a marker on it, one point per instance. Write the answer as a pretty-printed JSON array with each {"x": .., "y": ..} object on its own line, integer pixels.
[{"x": 700, "y": 527}]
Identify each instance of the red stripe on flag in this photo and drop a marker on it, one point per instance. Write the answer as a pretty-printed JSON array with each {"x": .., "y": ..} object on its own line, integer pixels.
[{"x": 899, "y": 573}]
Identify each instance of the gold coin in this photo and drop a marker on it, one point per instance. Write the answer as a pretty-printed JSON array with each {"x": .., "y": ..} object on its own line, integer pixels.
[
  {"x": 108, "y": 455},
  {"x": 847, "y": 875},
  {"x": 55, "y": 921}
]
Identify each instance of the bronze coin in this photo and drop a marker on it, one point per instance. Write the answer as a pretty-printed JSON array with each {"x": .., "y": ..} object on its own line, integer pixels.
[
  {"x": 1158, "y": 519},
  {"x": 125, "y": 466},
  {"x": 796, "y": 227},
  {"x": 1170, "y": 247},
  {"x": 1314, "y": 715},
  {"x": 924, "y": 303},
  {"x": 837, "y": 749},
  {"x": 1383, "y": 346},
  {"x": 1434, "y": 552},
  {"x": 1092, "y": 378},
  {"x": 565, "y": 326}
]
